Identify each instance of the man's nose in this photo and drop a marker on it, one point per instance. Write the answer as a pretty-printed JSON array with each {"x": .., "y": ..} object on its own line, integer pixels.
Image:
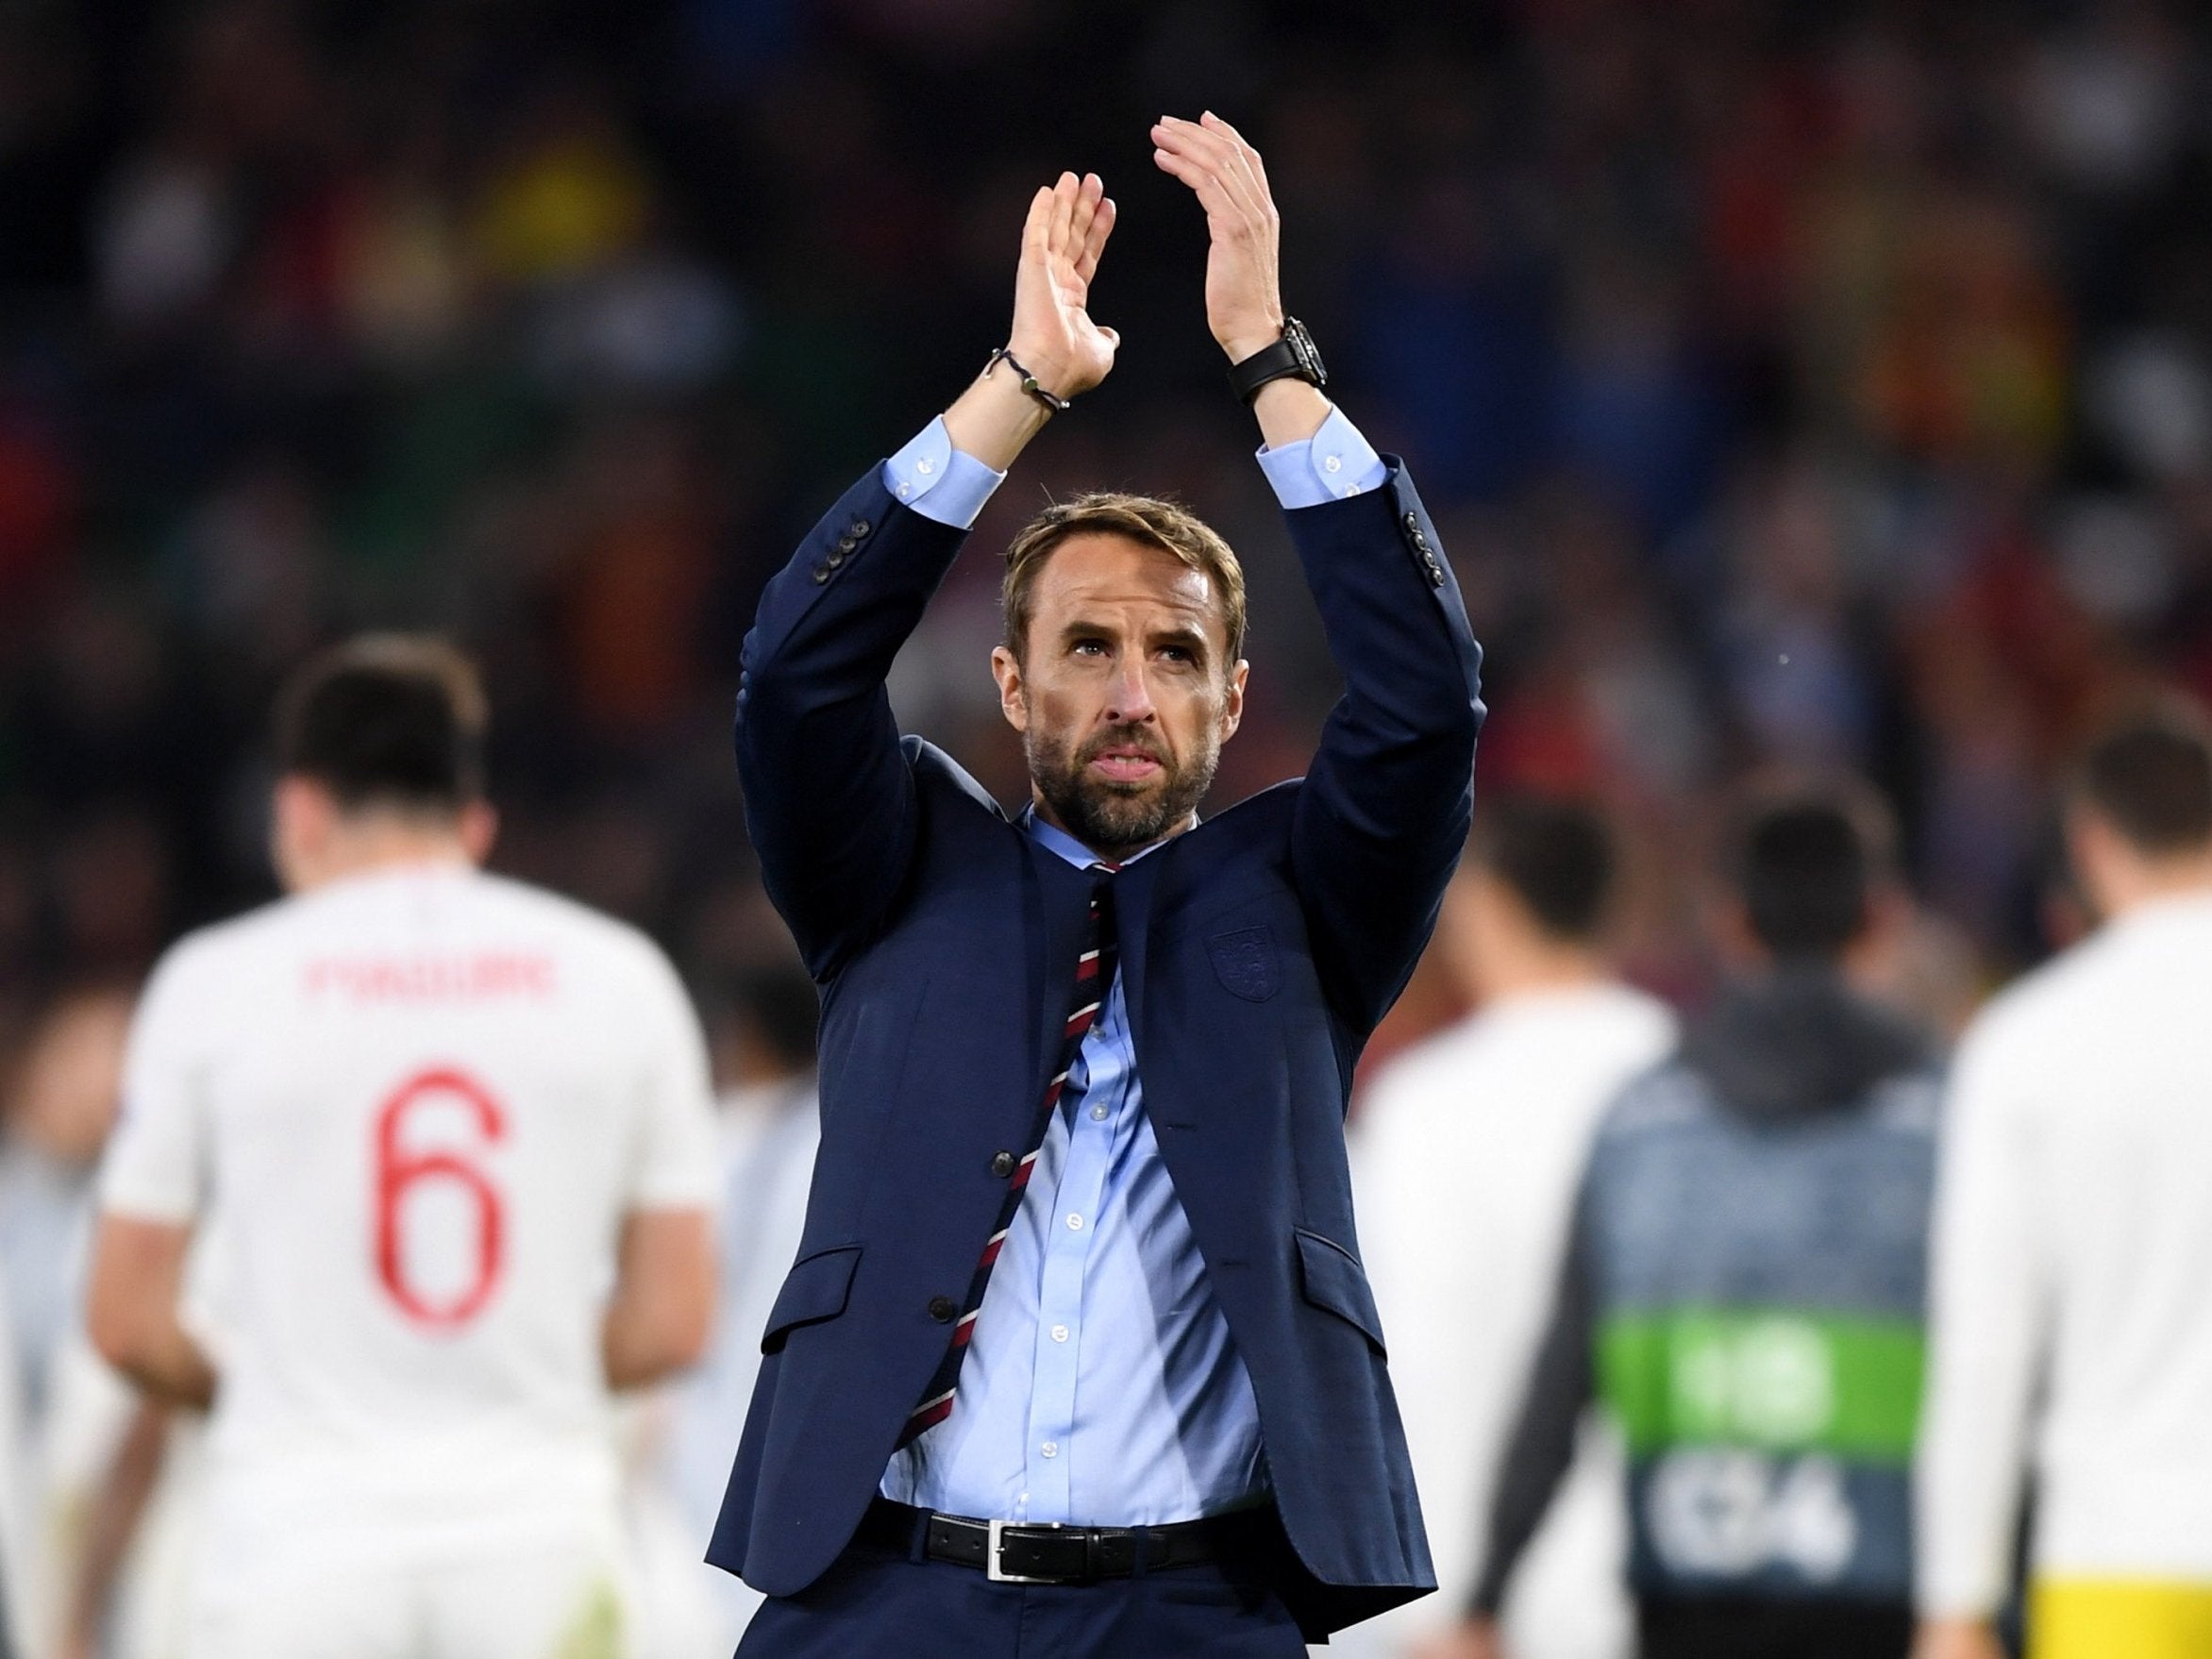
[{"x": 1131, "y": 697}]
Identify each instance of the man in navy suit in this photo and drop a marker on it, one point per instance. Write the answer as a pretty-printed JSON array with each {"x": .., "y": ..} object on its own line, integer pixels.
[{"x": 1077, "y": 1356}]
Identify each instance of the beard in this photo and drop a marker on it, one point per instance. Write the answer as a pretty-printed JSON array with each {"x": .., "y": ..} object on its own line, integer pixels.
[{"x": 1113, "y": 818}]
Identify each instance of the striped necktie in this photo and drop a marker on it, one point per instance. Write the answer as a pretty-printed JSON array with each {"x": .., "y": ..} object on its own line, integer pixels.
[{"x": 1094, "y": 984}]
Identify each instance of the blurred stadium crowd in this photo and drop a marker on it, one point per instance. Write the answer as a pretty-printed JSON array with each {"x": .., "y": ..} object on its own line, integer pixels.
[{"x": 1823, "y": 386}]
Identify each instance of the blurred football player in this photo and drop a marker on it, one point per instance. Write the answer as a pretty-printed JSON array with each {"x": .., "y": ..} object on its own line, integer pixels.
[
  {"x": 1464, "y": 1165},
  {"x": 1744, "y": 1283},
  {"x": 457, "y": 1135},
  {"x": 2071, "y": 1331}
]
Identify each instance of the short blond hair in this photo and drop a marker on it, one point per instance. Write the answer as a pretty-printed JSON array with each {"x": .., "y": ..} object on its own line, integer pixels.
[{"x": 1144, "y": 519}]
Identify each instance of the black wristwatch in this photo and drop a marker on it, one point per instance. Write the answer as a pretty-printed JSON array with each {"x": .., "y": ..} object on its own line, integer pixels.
[{"x": 1293, "y": 354}]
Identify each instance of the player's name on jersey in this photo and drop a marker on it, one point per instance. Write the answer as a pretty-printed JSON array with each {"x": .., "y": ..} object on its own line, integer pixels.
[{"x": 481, "y": 977}]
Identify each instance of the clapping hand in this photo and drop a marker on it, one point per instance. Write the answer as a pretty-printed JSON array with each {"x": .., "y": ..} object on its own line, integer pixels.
[
  {"x": 1244, "y": 287},
  {"x": 1053, "y": 336},
  {"x": 1053, "y": 339},
  {"x": 1244, "y": 298}
]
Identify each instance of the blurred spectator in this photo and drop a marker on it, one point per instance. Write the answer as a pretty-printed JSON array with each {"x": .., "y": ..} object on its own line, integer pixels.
[
  {"x": 61, "y": 1103},
  {"x": 769, "y": 1131},
  {"x": 74, "y": 1413},
  {"x": 1463, "y": 1168},
  {"x": 1744, "y": 1286},
  {"x": 2072, "y": 1334}
]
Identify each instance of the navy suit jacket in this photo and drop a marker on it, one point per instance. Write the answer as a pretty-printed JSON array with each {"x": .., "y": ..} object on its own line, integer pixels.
[{"x": 1258, "y": 951}]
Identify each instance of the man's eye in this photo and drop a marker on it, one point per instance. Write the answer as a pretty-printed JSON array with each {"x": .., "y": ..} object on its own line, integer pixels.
[{"x": 1082, "y": 646}]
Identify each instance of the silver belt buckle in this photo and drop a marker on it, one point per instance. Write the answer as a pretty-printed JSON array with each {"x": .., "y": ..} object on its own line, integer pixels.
[{"x": 993, "y": 1572}]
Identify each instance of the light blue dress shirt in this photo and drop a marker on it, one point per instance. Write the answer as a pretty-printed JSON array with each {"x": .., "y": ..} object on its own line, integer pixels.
[
  {"x": 1101, "y": 1388},
  {"x": 951, "y": 486}
]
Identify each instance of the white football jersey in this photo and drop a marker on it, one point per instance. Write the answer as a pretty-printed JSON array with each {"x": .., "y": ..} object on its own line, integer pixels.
[
  {"x": 1464, "y": 1161},
  {"x": 421, "y": 1103}
]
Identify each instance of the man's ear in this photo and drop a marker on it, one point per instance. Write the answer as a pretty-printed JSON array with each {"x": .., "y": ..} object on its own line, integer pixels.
[
  {"x": 1014, "y": 701},
  {"x": 1233, "y": 705}
]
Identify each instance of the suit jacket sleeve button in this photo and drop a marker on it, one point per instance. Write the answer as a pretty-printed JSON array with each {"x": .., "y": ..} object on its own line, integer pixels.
[
  {"x": 1002, "y": 1165},
  {"x": 821, "y": 574},
  {"x": 942, "y": 1310},
  {"x": 859, "y": 528}
]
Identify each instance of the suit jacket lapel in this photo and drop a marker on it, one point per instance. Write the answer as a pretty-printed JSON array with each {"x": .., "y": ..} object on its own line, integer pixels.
[{"x": 1132, "y": 913}]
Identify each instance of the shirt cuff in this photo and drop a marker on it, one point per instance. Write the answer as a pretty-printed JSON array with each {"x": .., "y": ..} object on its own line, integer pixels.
[
  {"x": 1334, "y": 462},
  {"x": 939, "y": 481}
]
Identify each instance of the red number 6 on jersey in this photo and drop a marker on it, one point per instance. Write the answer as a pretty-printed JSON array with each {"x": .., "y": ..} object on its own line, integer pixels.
[{"x": 398, "y": 1169}]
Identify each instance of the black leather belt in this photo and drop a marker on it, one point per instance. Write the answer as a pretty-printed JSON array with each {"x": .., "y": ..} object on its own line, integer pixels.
[{"x": 1023, "y": 1554}]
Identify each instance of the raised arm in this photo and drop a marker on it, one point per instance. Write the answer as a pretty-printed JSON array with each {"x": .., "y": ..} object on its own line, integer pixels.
[
  {"x": 829, "y": 793},
  {"x": 1386, "y": 801}
]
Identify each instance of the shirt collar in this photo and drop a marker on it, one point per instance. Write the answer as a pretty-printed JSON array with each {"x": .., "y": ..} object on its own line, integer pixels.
[{"x": 1074, "y": 851}]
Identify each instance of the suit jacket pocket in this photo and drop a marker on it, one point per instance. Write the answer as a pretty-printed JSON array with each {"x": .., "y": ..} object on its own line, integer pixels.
[
  {"x": 814, "y": 1290},
  {"x": 1335, "y": 1281}
]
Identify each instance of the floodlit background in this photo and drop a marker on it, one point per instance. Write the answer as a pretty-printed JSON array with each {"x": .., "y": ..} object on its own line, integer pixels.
[{"x": 1817, "y": 385}]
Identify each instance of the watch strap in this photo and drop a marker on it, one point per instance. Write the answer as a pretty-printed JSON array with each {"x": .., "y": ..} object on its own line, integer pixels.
[{"x": 1293, "y": 355}]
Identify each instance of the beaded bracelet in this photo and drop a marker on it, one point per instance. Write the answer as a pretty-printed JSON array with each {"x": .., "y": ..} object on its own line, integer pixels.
[{"x": 1029, "y": 381}]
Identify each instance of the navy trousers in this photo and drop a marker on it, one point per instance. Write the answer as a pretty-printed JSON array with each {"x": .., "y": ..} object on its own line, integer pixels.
[{"x": 876, "y": 1601}]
